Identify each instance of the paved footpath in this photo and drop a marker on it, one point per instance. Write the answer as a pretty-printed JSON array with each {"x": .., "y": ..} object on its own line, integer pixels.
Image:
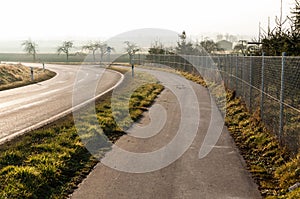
[{"x": 221, "y": 174}]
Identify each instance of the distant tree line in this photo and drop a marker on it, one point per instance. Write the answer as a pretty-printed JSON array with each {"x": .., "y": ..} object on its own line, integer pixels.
[
  {"x": 31, "y": 48},
  {"x": 185, "y": 47}
]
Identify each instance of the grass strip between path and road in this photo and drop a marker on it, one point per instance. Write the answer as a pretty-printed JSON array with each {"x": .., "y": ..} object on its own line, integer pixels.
[
  {"x": 51, "y": 161},
  {"x": 269, "y": 163},
  {"x": 17, "y": 75}
]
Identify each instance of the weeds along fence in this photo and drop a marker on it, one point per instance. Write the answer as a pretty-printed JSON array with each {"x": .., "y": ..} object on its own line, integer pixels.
[{"x": 270, "y": 85}]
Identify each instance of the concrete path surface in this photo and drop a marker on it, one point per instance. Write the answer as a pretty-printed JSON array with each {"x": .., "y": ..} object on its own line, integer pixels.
[{"x": 221, "y": 174}]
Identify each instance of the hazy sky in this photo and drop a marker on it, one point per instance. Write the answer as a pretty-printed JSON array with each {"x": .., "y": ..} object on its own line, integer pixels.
[{"x": 57, "y": 19}]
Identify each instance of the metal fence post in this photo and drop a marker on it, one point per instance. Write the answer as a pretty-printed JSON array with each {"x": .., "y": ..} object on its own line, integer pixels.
[
  {"x": 236, "y": 74},
  {"x": 281, "y": 97},
  {"x": 206, "y": 67},
  {"x": 230, "y": 71},
  {"x": 193, "y": 62},
  {"x": 242, "y": 77},
  {"x": 168, "y": 62},
  {"x": 251, "y": 83},
  {"x": 227, "y": 70},
  {"x": 219, "y": 68},
  {"x": 174, "y": 61},
  {"x": 262, "y": 96}
]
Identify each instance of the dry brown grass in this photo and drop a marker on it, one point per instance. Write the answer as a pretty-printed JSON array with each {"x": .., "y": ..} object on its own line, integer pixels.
[{"x": 16, "y": 75}]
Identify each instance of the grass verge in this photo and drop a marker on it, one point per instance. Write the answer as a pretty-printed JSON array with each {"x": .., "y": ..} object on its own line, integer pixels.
[
  {"x": 270, "y": 164},
  {"x": 17, "y": 75},
  {"x": 51, "y": 161}
]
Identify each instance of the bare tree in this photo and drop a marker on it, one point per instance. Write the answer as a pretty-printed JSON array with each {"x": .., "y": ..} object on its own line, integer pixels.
[
  {"x": 209, "y": 46},
  {"x": 65, "y": 48},
  {"x": 103, "y": 50},
  {"x": 108, "y": 51},
  {"x": 102, "y": 47},
  {"x": 92, "y": 47},
  {"x": 30, "y": 47},
  {"x": 131, "y": 49}
]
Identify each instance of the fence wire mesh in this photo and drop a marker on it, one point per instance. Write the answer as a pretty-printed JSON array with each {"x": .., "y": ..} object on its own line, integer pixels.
[{"x": 270, "y": 85}]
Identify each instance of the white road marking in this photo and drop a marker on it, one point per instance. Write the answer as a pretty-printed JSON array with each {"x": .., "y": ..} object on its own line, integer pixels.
[
  {"x": 23, "y": 107},
  {"x": 28, "y": 99}
]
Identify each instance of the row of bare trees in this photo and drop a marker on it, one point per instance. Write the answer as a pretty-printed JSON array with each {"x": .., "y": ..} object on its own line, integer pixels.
[
  {"x": 30, "y": 47},
  {"x": 101, "y": 46}
]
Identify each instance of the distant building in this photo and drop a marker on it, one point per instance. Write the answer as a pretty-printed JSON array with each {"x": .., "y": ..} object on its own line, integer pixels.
[{"x": 225, "y": 45}]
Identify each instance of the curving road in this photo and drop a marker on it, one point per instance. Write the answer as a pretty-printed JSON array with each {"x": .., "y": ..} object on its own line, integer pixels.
[{"x": 28, "y": 107}]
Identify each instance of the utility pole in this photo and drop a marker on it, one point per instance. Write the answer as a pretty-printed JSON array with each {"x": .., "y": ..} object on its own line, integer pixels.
[
  {"x": 280, "y": 18},
  {"x": 259, "y": 32},
  {"x": 269, "y": 26},
  {"x": 280, "y": 13}
]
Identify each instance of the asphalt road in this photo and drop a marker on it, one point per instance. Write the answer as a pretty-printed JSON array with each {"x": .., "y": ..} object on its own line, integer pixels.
[
  {"x": 123, "y": 174},
  {"x": 28, "y": 107}
]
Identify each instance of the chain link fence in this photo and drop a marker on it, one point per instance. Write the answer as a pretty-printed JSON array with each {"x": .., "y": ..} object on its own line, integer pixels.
[{"x": 270, "y": 85}]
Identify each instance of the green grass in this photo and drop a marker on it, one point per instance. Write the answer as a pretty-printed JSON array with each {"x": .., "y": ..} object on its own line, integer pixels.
[
  {"x": 269, "y": 163},
  {"x": 16, "y": 75},
  {"x": 51, "y": 161}
]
